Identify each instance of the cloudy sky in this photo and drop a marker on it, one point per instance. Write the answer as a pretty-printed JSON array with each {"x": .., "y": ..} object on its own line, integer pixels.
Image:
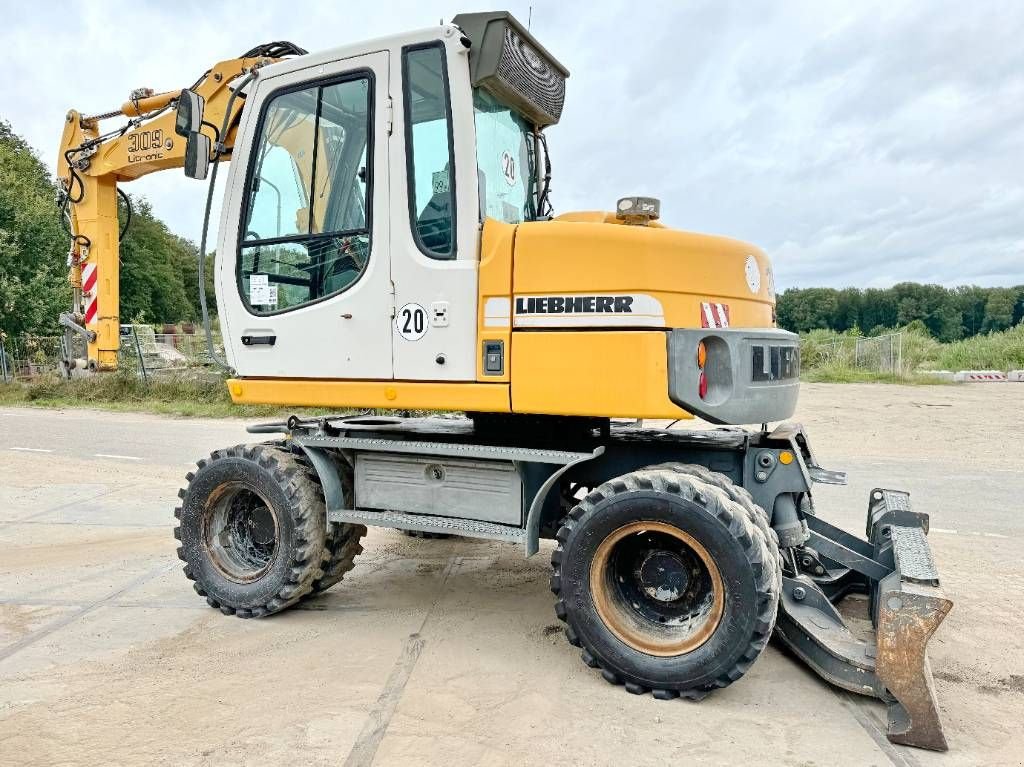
[{"x": 859, "y": 143}]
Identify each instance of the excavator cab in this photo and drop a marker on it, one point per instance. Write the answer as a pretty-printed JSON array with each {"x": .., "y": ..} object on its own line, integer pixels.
[{"x": 351, "y": 236}]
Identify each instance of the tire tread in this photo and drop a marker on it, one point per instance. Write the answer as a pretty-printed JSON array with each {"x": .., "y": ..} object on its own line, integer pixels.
[{"x": 736, "y": 511}]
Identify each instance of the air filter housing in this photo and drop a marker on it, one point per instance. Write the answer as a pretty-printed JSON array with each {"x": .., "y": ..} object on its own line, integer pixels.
[{"x": 506, "y": 60}]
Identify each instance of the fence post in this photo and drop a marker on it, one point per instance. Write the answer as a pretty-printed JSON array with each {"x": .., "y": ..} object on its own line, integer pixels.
[
  {"x": 901, "y": 356},
  {"x": 3, "y": 360},
  {"x": 138, "y": 351}
]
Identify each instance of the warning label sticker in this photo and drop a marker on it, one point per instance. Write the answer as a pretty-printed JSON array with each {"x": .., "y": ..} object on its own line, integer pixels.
[{"x": 259, "y": 290}]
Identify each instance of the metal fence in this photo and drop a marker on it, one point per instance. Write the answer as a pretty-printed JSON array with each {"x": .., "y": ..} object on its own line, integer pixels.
[
  {"x": 883, "y": 354},
  {"x": 879, "y": 354},
  {"x": 143, "y": 351}
]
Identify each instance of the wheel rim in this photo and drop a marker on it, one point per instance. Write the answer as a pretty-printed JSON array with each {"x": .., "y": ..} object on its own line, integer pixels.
[
  {"x": 657, "y": 588},
  {"x": 240, "y": 532}
]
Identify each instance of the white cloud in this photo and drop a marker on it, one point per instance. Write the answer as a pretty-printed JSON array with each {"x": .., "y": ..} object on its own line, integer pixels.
[{"x": 859, "y": 144}]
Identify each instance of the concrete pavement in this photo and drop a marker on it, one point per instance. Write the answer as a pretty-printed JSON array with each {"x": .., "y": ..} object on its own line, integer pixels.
[{"x": 438, "y": 652}]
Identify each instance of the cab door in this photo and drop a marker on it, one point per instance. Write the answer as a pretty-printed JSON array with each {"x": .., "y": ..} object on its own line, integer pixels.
[
  {"x": 305, "y": 289},
  {"x": 435, "y": 214}
]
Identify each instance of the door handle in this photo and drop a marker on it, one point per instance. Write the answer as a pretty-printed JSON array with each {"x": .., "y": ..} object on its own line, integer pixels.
[{"x": 259, "y": 340}]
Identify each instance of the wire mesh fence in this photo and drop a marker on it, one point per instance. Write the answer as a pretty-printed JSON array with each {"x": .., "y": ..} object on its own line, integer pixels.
[
  {"x": 24, "y": 358},
  {"x": 883, "y": 354},
  {"x": 143, "y": 352},
  {"x": 877, "y": 354}
]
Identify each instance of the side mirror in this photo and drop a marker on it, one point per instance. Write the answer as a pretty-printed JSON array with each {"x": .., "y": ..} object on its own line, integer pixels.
[
  {"x": 189, "y": 119},
  {"x": 197, "y": 155}
]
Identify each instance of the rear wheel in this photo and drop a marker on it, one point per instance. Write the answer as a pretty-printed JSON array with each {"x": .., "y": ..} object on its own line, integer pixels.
[
  {"x": 342, "y": 542},
  {"x": 252, "y": 530},
  {"x": 665, "y": 584}
]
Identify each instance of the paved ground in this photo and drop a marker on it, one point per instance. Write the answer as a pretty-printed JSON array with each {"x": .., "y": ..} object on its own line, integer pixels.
[{"x": 448, "y": 652}]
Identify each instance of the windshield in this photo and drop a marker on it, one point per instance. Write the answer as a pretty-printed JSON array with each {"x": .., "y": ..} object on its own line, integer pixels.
[{"x": 504, "y": 159}]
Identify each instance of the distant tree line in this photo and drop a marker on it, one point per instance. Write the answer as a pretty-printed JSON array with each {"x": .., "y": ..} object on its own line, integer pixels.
[
  {"x": 158, "y": 268},
  {"x": 948, "y": 314}
]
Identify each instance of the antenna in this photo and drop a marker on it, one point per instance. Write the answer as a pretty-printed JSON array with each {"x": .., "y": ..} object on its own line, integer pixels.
[{"x": 529, "y": 18}]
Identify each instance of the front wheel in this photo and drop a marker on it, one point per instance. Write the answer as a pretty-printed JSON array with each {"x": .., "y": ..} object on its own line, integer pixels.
[
  {"x": 252, "y": 530},
  {"x": 665, "y": 584}
]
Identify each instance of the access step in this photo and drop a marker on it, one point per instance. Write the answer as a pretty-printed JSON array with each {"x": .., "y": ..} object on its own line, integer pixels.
[{"x": 425, "y": 523}]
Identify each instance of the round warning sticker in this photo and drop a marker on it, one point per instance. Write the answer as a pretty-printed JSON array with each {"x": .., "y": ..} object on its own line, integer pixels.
[
  {"x": 411, "y": 322},
  {"x": 508, "y": 168},
  {"x": 753, "y": 274}
]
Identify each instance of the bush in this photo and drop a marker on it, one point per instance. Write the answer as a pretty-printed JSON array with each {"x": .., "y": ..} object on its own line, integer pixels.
[
  {"x": 828, "y": 356},
  {"x": 993, "y": 351}
]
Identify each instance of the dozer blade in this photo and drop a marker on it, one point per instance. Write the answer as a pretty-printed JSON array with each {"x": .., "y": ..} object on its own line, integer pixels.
[
  {"x": 895, "y": 567},
  {"x": 909, "y": 606}
]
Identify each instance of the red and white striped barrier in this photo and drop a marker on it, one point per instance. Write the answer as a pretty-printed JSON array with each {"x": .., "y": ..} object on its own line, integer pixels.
[
  {"x": 975, "y": 376},
  {"x": 89, "y": 280}
]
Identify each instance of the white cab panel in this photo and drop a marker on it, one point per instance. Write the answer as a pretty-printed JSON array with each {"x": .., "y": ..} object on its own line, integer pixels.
[
  {"x": 345, "y": 335},
  {"x": 419, "y": 280}
]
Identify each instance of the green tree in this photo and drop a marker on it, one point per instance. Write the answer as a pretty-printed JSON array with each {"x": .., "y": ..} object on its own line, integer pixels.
[
  {"x": 999, "y": 309},
  {"x": 1018, "y": 310},
  {"x": 805, "y": 309},
  {"x": 152, "y": 259},
  {"x": 848, "y": 309},
  {"x": 970, "y": 300},
  {"x": 158, "y": 268},
  {"x": 878, "y": 309},
  {"x": 33, "y": 277},
  {"x": 933, "y": 305}
]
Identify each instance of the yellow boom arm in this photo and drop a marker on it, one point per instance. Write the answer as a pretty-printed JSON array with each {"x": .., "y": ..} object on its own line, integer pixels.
[{"x": 90, "y": 165}]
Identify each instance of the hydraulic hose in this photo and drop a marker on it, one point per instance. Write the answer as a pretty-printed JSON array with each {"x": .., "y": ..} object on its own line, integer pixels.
[{"x": 218, "y": 150}]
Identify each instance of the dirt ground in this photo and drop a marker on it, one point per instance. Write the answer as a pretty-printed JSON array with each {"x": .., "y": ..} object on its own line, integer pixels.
[{"x": 448, "y": 652}]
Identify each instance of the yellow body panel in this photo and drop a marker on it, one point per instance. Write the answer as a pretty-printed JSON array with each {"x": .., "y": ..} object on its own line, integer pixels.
[
  {"x": 495, "y": 282},
  {"x": 585, "y": 371},
  {"x": 398, "y": 395},
  {"x": 616, "y": 373},
  {"x": 584, "y": 253}
]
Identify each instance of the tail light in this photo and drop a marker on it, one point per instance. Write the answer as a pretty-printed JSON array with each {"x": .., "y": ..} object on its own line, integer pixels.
[{"x": 702, "y": 358}]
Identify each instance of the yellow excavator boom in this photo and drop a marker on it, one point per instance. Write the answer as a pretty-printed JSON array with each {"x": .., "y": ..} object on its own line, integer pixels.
[{"x": 90, "y": 165}]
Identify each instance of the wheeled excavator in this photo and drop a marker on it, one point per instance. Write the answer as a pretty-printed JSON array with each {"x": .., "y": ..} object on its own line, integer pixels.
[{"x": 387, "y": 243}]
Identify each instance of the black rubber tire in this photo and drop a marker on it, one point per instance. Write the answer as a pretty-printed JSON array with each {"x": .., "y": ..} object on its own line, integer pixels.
[
  {"x": 758, "y": 516},
  {"x": 747, "y": 561},
  {"x": 341, "y": 546},
  {"x": 342, "y": 541},
  {"x": 289, "y": 487}
]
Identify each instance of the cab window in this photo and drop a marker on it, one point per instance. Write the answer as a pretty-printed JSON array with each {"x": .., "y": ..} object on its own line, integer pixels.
[
  {"x": 429, "y": 154},
  {"x": 306, "y": 234},
  {"x": 504, "y": 159}
]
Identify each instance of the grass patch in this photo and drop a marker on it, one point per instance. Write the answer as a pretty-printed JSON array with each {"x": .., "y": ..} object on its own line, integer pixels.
[
  {"x": 828, "y": 357},
  {"x": 845, "y": 374},
  {"x": 193, "y": 398},
  {"x": 992, "y": 351}
]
